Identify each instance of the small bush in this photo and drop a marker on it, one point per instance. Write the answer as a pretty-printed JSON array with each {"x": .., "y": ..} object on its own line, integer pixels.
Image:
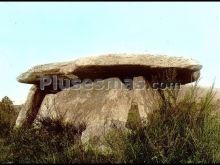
[
  {"x": 7, "y": 116},
  {"x": 44, "y": 144}
]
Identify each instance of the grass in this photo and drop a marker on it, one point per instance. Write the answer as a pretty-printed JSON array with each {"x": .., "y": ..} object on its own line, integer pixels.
[
  {"x": 184, "y": 129},
  {"x": 179, "y": 131}
]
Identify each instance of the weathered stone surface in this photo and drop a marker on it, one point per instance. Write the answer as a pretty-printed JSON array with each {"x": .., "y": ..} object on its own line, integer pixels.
[
  {"x": 116, "y": 65},
  {"x": 29, "y": 110},
  {"x": 100, "y": 110}
]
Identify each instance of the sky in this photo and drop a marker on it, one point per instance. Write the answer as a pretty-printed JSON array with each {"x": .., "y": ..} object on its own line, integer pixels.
[{"x": 33, "y": 33}]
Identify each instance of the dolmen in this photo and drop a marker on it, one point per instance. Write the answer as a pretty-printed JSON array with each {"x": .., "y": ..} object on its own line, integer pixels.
[{"x": 100, "y": 91}]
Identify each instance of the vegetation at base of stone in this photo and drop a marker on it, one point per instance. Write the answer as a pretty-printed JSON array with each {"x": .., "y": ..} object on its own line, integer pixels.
[
  {"x": 184, "y": 129},
  {"x": 44, "y": 144},
  {"x": 180, "y": 131}
]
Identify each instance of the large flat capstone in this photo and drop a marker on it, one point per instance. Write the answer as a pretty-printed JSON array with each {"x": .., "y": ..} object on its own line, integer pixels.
[{"x": 152, "y": 67}]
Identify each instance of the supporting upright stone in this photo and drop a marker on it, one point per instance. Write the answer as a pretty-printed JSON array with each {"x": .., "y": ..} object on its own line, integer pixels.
[
  {"x": 145, "y": 97},
  {"x": 30, "y": 109}
]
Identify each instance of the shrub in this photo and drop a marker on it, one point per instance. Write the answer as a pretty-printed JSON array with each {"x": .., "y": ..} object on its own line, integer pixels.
[
  {"x": 44, "y": 144},
  {"x": 180, "y": 131},
  {"x": 7, "y": 116}
]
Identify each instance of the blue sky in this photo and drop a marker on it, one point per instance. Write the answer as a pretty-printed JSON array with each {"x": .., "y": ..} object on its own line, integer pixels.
[{"x": 33, "y": 33}]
